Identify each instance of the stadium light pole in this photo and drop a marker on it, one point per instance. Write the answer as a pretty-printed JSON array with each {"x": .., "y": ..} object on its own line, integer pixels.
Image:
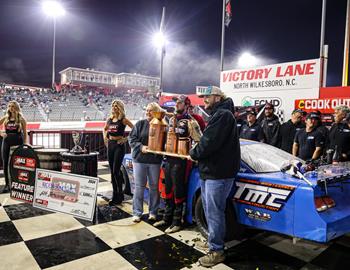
[
  {"x": 159, "y": 41},
  {"x": 54, "y": 10}
]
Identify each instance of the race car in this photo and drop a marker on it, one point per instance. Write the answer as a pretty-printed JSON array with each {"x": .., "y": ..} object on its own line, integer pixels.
[{"x": 314, "y": 205}]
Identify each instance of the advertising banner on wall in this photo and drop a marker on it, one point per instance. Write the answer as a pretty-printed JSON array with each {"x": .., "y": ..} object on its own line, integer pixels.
[
  {"x": 279, "y": 84},
  {"x": 324, "y": 105},
  {"x": 66, "y": 193}
]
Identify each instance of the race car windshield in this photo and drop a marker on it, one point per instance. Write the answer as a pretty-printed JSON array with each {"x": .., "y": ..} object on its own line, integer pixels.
[{"x": 264, "y": 158}]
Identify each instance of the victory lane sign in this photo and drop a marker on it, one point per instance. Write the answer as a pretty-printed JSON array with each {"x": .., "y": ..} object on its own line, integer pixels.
[{"x": 23, "y": 164}]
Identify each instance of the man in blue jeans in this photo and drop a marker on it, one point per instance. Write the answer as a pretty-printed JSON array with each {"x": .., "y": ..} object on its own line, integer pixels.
[{"x": 218, "y": 155}]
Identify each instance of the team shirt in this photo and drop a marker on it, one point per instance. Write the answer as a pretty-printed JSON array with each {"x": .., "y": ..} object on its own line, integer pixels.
[{"x": 307, "y": 142}]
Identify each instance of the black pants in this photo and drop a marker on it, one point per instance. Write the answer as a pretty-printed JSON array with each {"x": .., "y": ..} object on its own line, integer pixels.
[
  {"x": 10, "y": 140},
  {"x": 116, "y": 154},
  {"x": 175, "y": 190}
]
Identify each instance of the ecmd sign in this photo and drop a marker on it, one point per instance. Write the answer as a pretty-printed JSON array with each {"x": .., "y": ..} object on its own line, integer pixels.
[{"x": 280, "y": 84}]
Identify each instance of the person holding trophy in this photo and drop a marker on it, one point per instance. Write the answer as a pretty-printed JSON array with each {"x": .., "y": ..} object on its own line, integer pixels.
[
  {"x": 176, "y": 169},
  {"x": 146, "y": 166},
  {"x": 15, "y": 134},
  {"x": 113, "y": 135}
]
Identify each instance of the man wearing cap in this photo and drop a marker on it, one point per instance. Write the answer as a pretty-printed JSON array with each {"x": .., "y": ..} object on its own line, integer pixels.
[
  {"x": 271, "y": 126},
  {"x": 175, "y": 169},
  {"x": 251, "y": 130},
  {"x": 308, "y": 142},
  {"x": 340, "y": 113},
  {"x": 218, "y": 156},
  {"x": 289, "y": 129}
]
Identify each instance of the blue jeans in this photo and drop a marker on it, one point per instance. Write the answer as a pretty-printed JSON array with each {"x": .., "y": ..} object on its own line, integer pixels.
[
  {"x": 144, "y": 172},
  {"x": 214, "y": 196}
]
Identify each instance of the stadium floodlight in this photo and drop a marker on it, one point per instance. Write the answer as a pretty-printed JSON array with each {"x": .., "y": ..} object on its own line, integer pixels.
[
  {"x": 247, "y": 60},
  {"x": 159, "y": 40},
  {"x": 54, "y": 10}
]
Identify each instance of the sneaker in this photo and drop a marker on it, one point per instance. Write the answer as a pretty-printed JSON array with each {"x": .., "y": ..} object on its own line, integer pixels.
[
  {"x": 173, "y": 229},
  {"x": 202, "y": 246},
  {"x": 160, "y": 223},
  {"x": 212, "y": 258},
  {"x": 136, "y": 219},
  {"x": 6, "y": 189},
  {"x": 152, "y": 217}
]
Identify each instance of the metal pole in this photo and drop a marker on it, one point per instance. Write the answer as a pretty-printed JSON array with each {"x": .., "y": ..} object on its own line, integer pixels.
[
  {"x": 325, "y": 64},
  {"x": 222, "y": 36},
  {"x": 53, "y": 53},
  {"x": 346, "y": 47},
  {"x": 323, "y": 20},
  {"x": 161, "y": 53}
]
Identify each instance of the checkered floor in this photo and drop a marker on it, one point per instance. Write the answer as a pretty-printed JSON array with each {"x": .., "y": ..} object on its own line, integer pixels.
[{"x": 36, "y": 239}]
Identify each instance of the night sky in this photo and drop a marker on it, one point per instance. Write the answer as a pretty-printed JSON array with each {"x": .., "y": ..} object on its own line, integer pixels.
[{"x": 115, "y": 36}]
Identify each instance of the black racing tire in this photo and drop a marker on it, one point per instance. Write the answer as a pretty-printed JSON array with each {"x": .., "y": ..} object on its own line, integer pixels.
[
  {"x": 126, "y": 181},
  {"x": 200, "y": 217},
  {"x": 234, "y": 230}
]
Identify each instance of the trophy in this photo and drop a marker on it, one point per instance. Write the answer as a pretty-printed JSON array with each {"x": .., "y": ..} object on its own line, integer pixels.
[{"x": 76, "y": 140}]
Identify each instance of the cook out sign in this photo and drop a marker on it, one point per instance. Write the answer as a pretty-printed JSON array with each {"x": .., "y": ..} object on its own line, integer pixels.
[{"x": 326, "y": 105}]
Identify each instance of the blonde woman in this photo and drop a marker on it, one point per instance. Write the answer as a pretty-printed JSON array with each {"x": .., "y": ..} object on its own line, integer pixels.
[
  {"x": 113, "y": 135},
  {"x": 146, "y": 166},
  {"x": 15, "y": 134}
]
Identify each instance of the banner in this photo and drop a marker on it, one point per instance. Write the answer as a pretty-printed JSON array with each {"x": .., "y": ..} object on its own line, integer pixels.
[
  {"x": 280, "y": 84},
  {"x": 66, "y": 193},
  {"x": 324, "y": 105}
]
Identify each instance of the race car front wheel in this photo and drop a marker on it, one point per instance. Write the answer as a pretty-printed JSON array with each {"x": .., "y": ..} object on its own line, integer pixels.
[{"x": 234, "y": 230}]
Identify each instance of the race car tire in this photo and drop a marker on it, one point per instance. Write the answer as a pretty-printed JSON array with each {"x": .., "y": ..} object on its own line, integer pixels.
[
  {"x": 200, "y": 217},
  {"x": 234, "y": 230},
  {"x": 126, "y": 182}
]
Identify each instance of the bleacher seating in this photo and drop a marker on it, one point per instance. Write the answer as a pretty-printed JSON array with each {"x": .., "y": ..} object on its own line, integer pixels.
[{"x": 73, "y": 104}]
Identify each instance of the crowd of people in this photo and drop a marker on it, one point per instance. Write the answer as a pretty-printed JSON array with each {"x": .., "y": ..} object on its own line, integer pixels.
[
  {"x": 303, "y": 135},
  {"x": 216, "y": 150},
  {"x": 94, "y": 99}
]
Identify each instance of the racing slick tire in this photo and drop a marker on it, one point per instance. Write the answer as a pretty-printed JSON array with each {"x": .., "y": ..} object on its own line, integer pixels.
[
  {"x": 234, "y": 230},
  {"x": 126, "y": 182}
]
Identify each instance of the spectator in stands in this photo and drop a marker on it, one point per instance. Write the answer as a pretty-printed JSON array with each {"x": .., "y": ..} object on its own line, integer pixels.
[
  {"x": 146, "y": 166},
  {"x": 252, "y": 130},
  {"x": 289, "y": 128},
  {"x": 271, "y": 126},
  {"x": 308, "y": 142},
  {"x": 113, "y": 135},
  {"x": 15, "y": 134}
]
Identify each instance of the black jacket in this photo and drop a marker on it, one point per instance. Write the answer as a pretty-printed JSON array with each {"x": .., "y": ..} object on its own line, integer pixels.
[
  {"x": 334, "y": 134},
  {"x": 218, "y": 151},
  {"x": 287, "y": 134},
  {"x": 271, "y": 130}
]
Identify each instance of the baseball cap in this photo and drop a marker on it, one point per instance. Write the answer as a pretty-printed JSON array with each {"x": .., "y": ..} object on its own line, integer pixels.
[
  {"x": 183, "y": 99},
  {"x": 251, "y": 112},
  {"x": 313, "y": 115},
  {"x": 297, "y": 111},
  {"x": 211, "y": 90}
]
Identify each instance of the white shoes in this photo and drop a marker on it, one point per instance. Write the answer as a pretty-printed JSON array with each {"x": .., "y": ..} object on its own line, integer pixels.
[
  {"x": 136, "y": 219},
  {"x": 152, "y": 217}
]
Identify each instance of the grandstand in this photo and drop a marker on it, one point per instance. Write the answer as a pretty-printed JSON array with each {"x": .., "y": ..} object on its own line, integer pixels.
[{"x": 69, "y": 104}]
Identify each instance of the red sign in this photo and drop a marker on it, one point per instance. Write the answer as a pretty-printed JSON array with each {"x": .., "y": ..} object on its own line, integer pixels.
[{"x": 324, "y": 105}]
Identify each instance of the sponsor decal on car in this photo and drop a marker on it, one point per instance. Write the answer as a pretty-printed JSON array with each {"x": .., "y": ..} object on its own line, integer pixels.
[
  {"x": 258, "y": 215},
  {"x": 261, "y": 194}
]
